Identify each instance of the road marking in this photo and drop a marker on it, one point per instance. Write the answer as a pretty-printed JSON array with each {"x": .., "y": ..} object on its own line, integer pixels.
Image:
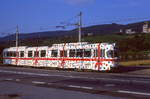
[
  {"x": 38, "y": 82},
  {"x": 83, "y": 87},
  {"x": 17, "y": 79},
  {"x": 74, "y": 86},
  {"x": 86, "y": 87},
  {"x": 132, "y": 92},
  {"x": 9, "y": 79}
]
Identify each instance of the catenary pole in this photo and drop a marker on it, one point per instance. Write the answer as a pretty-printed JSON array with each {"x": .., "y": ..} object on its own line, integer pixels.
[
  {"x": 80, "y": 26},
  {"x": 17, "y": 34}
]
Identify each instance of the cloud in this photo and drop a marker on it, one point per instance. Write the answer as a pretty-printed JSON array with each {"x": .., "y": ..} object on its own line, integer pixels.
[{"x": 79, "y": 2}]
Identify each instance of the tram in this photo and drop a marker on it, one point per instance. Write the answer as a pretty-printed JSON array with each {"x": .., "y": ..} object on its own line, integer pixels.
[{"x": 83, "y": 55}]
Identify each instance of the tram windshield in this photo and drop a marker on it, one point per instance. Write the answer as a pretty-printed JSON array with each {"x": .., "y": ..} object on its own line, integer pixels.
[{"x": 111, "y": 54}]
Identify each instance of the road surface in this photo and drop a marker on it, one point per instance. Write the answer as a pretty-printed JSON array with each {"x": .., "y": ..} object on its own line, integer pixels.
[{"x": 30, "y": 83}]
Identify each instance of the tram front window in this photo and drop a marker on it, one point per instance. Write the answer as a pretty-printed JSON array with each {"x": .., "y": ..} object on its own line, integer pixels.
[{"x": 110, "y": 54}]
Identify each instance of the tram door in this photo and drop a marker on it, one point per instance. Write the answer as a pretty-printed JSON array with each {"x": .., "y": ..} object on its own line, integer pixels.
[
  {"x": 63, "y": 61},
  {"x": 99, "y": 55},
  {"x": 80, "y": 56},
  {"x": 54, "y": 56}
]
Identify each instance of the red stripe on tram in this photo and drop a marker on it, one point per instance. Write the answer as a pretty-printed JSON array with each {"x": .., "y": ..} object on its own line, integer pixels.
[{"x": 66, "y": 59}]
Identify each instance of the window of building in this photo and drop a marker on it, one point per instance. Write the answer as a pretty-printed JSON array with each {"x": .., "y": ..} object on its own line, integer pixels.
[
  {"x": 43, "y": 53},
  {"x": 30, "y": 54},
  {"x": 54, "y": 53}
]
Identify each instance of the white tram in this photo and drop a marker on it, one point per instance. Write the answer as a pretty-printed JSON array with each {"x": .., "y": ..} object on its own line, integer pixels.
[{"x": 98, "y": 56}]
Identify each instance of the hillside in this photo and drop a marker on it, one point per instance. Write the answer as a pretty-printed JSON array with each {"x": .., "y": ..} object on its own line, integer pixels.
[{"x": 104, "y": 29}]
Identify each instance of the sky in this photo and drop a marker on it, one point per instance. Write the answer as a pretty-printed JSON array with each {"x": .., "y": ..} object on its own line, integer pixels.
[{"x": 44, "y": 15}]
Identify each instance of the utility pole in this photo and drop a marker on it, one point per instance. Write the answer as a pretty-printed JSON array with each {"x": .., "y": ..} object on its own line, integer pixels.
[
  {"x": 80, "y": 26},
  {"x": 17, "y": 34}
]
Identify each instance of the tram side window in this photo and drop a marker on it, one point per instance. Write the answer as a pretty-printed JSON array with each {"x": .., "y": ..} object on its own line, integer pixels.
[
  {"x": 102, "y": 53},
  {"x": 21, "y": 53},
  {"x": 11, "y": 54},
  {"x": 72, "y": 53},
  {"x": 7, "y": 54},
  {"x": 36, "y": 53},
  {"x": 30, "y": 54},
  {"x": 79, "y": 53},
  {"x": 14, "y": 54},
  {"x": 4, "y": 54},
  {"x": 43, "y": 53},
  {"x": 54, "y": 53},
  {"x": 63, "y": 53},
  {"x": 110, "y": 54},
  {"x": 87, "y": 53},
  {"x": 96, "y": 53}
]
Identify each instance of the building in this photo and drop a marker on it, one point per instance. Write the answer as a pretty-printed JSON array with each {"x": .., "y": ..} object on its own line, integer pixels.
[
  {"x": 129, "y": 31},
  {"x": 146, "y": 28}
]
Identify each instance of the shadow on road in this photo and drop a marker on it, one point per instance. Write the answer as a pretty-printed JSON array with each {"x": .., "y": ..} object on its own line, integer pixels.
[{"x": 124, "y": 69}]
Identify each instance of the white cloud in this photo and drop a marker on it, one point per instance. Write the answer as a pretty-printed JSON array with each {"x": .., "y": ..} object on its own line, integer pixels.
[{"x": 78, "y": 2}]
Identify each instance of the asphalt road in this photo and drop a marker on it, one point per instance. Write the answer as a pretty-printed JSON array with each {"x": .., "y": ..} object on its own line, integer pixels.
[{"x": 26, "y": 83}]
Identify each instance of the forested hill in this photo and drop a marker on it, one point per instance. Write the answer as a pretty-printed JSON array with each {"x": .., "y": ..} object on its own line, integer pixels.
[
  {"x": 93, "y": 30},
  {"x": 104, "y": 29}
]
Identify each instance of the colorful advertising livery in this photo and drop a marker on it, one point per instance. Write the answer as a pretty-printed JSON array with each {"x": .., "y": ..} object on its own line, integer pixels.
[{"x": 97, "y": 56}]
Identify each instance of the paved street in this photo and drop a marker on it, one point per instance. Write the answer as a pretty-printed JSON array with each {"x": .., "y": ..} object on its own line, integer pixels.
[
  {"x": 30, "y": 83},
  {"x": 23, "y": 91}
]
